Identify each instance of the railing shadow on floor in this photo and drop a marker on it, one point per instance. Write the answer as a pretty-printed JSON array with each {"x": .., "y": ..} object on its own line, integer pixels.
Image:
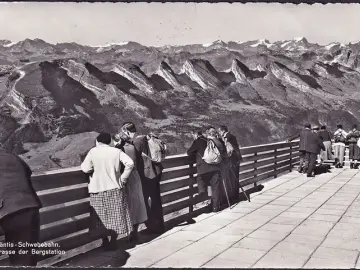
[
  {"x": 122, "y": 255},
  {"x": 65, "y": 216}
]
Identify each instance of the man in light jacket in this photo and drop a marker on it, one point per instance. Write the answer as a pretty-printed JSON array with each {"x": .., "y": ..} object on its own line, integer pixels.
[{"x": 339, "y": 145}]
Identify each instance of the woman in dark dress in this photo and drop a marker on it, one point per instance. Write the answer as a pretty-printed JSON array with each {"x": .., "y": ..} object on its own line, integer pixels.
[{"x": 134, "y": 189}]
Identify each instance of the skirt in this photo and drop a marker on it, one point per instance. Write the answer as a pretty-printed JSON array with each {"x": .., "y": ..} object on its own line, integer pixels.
[
  {"x": 135, "y": 197},
  {"x": 110, "y": 212}
]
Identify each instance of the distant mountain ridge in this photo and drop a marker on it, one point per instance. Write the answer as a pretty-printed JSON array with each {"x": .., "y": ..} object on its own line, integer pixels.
[{"x": 55, "y": 97}]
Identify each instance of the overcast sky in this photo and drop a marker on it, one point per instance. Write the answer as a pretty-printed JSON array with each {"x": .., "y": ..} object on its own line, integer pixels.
[{"x": 178, "y": 23}]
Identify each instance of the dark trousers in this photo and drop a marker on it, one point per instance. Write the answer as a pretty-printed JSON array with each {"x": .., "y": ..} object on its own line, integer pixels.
[
  {"x": 151, "y": 190},
  {"x": 235, "y": 169},
  {"x": 311, "y": 159},
  {"x": 22, "y": 226},
  {"x": 353, "y": 152},
  {"x": 214, "y": 180},
  {"x": 302, "y": 163}
]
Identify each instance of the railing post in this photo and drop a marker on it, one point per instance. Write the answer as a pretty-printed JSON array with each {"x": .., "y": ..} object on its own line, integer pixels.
[
  {"x": 275, "y": 163},
  {"x": 291, "y": 152},
  {"x": 255, "y": 167},
  {"x": 191, "y": 187}
]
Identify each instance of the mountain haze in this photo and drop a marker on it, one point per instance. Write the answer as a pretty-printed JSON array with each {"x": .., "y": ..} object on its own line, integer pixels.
[{"x": 54, "y": 98}]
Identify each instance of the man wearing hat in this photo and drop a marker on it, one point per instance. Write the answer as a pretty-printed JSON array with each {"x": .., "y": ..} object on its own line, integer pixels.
[{"x": 313, "y": 148}]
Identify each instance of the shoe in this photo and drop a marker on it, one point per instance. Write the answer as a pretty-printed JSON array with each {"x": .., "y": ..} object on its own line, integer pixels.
[
  {"x": 109, "y": 245},
  {"x": 351, "y": 166},
  {"x": 215, "y": 210},
  {"x": 310, "y": 176},
  {"x": 134, "y": 236}
]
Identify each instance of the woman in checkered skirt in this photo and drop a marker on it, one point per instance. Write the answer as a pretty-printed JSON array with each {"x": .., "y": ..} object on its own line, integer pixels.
[{"x": 109, "y": 204}]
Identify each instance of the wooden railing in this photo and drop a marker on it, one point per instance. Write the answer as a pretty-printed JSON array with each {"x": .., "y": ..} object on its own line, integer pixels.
[{"x": 65, "y": 214}]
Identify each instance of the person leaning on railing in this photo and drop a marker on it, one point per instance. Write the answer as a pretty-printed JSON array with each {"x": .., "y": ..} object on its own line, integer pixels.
[
  {"x": 134, "y": 189},
  {"x": 235, "y": 157},
  {"x": 303, "y": 144},
  {"x": 19, "y": 209},
  {"x": 207, "y": 174},
  {"x": 109, "y": 206},
  {"x": 150, "y": 174}
]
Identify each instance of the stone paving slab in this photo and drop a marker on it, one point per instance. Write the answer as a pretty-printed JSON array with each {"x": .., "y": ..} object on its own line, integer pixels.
[
  {"x": 256, "y": 243},
  {"x": 281, "y": 260},
  {"x": 294, "y": 222}
]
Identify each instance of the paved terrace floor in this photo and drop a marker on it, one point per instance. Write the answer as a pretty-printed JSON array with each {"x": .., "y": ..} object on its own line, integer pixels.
[{"x": 294, "y": 222}]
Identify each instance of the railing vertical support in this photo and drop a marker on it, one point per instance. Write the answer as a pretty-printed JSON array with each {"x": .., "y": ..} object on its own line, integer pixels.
[
  {"x": 191, "y": 187},
  {"x": 291, "y": 155},
  {"x": 255, "y": 168},
  {"x": 275, "y": 155}
]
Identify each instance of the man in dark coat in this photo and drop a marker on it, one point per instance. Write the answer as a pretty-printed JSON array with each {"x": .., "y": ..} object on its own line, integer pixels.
[
  {"x": 19, "y": 208},
  {"x": 313, "y": 147},
  {"x": 303, "y": 135},
  {"x": 207, "y": 174},
  {"x": 325, "y": 136},
  {"x": 151, "y": 186},
  {"x": 235, "y": 159}
]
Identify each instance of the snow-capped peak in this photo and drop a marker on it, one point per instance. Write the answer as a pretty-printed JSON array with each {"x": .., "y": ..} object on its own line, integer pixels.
[
  {"x": 285, "y": 43},
  {"x": 112, "y": 44},
  {"x": 216, "y": 42},
  {"x": 10, "y": 44},
  {"x": 329, "y": 46},
  {"x": 298, "y": 39},
  {"x": 108, "y": 46},
  {"x": 262, "y": 42}
]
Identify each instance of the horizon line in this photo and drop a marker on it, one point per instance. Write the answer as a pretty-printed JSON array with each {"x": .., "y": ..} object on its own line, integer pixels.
[{"x": 174, "y": 45}]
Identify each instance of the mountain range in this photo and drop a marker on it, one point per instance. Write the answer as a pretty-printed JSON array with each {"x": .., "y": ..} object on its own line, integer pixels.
[{"x": 54, "y": 98}]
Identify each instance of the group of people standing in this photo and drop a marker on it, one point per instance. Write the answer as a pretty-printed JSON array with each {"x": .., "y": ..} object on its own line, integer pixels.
[
  {"x": 124, "y": 173},
  {"x": 316, "y": 141},
  {"x": 125, "y": 170},
  {"x": 341, "y": 137},
  {"x": 309, "y": 147},
  {"x": 124, "y": 186},
  {"x": 223, "y": 173}
]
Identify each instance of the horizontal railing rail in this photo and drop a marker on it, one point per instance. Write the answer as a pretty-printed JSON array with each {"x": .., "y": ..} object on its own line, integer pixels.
[{"x": 65, "y": 214}]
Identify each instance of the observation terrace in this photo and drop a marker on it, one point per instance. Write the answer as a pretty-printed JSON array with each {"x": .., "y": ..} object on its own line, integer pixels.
[{"x": 292, "y": 221}]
